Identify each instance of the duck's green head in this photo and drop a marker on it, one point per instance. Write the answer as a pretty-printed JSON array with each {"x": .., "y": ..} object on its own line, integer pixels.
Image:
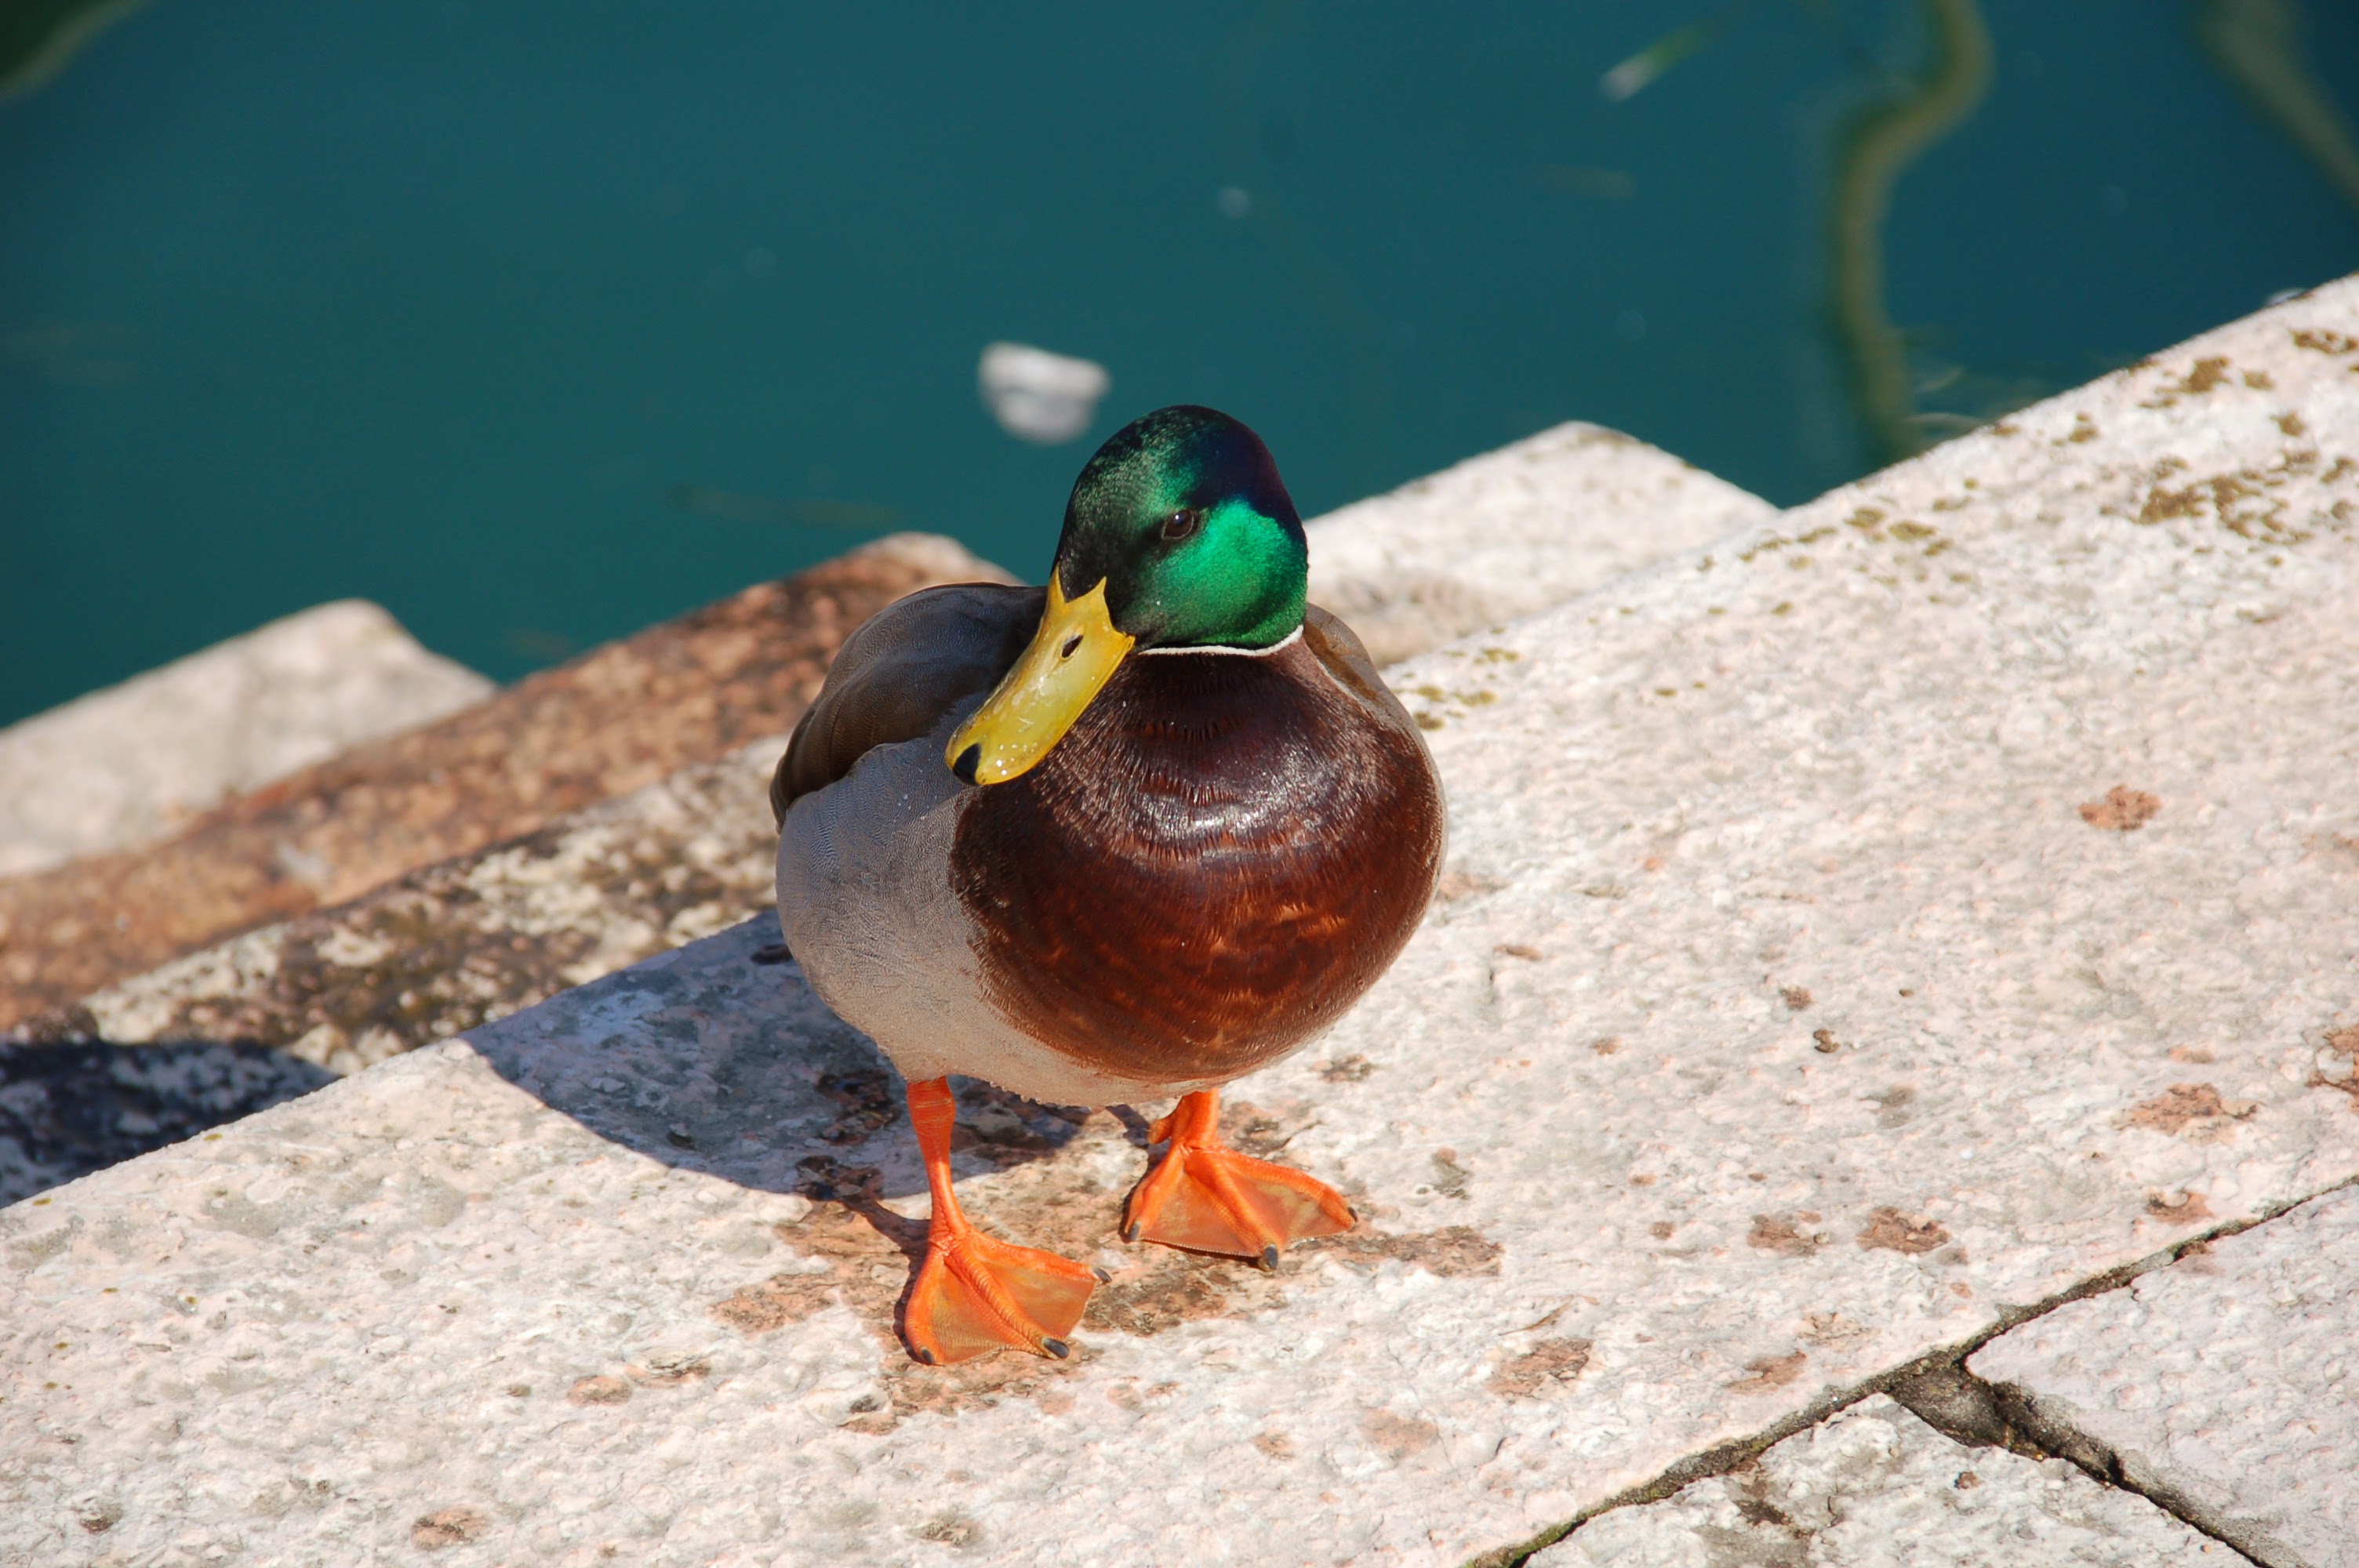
[
  {"x": 1179, "y": 535},
  {"x": 1183, "y": 518}
]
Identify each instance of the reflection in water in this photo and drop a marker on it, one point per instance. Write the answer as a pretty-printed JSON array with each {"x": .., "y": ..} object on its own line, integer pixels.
[
  {"x": 1604, "y": 184},
  {"x": 39, "y": 37},
  {"x": 1871, "y": 153},
  {"x": 2255, "y": 44}
]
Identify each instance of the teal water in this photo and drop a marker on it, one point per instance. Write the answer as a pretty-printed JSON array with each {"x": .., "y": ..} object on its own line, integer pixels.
[{"x": 452, "y": 307}]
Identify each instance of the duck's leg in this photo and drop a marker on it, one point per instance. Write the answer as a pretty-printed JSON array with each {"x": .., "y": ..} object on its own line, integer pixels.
[
  {"x": 1207, "y": 1198},
  {"x": 974, "y": 1293}
]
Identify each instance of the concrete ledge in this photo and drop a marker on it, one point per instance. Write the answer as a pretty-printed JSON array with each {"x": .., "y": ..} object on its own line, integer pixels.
[
  {"x": 613, "y": 721},
  {"x": 2227, "y": 1383},
  {"x": 1858, "y": 934},
  {"x": 121, "y": 766},
  {"x": 1508, "y": 533},
  {"x": 1876, "y": 1486}
]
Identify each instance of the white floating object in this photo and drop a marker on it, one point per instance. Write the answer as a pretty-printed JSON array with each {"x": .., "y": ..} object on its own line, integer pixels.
[{"x": 1040, "y": 396}]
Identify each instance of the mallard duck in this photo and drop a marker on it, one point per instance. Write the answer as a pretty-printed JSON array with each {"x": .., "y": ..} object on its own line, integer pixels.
[{"x": 1122, "y": 838}]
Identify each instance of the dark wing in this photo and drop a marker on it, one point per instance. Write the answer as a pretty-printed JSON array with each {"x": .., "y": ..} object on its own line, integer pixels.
[
  {"x": 1338, "y": 649},
  {"x": 909, "y": 664}
]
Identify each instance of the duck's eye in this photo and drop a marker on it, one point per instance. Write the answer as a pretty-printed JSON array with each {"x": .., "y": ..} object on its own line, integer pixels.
[{"x": 1181, "y": 525}]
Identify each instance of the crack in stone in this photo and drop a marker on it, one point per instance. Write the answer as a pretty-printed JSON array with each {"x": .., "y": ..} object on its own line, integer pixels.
[{"x": 1938, "y": 1390}]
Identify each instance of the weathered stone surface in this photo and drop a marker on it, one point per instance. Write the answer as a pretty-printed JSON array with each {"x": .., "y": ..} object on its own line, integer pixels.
[
  {"x": 1512, "y": 532},
  {"x": 1876, "y": 1486},
  {"x": 615, "y": 720},
  {"x": 460, "y": 944},
  {"x": 120, "y": 766},
  {"x": 67, "y": 1111},
  {"x": 1776, "y": 1029},
  {"x": 2227, "y": 1383}
]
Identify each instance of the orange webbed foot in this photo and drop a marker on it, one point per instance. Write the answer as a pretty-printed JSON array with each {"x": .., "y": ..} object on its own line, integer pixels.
[
  {"x": 1207, "y": 1198},
  {"x": 975, "y": 1294}
]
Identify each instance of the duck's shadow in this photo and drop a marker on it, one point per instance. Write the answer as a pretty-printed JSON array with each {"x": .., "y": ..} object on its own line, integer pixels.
[{"x": 718, "y": 1059}]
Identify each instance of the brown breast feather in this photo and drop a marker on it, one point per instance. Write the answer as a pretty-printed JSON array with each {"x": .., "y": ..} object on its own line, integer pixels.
[{"x": 1216, "y": 861}]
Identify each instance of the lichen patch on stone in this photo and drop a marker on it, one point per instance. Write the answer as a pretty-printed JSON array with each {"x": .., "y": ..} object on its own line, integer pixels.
[
  {"x": 2122, "y": 810},
  {"x": 2193, "y": 1111},
  {"x": 1889, "y": 1229},
  {"x": 1549, "y": 1366}
]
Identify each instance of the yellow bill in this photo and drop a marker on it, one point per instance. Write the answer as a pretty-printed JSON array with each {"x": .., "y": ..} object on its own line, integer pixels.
[{"x": 1072, "y": 655}]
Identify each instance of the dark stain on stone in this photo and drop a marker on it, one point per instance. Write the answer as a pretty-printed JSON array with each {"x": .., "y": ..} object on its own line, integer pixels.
[
  {"x": 1889, "y": 1229},
  {"x": 449, "y": 1527},
  {"x": 2194, "y": 1110},
  {"x": 1259, "y": 1133},
  {"x": 669, "y": 1372},
  {"x": 2122, "y": 810},
  {"x": 1771, "y": 1372},
  {"x": 1454, "y": 1251},
  {"x": 1796, "y": 997},
  {"x": 1398, "y": 1437},
  {"x": 1550, "y": 1366},
  {"x": 1893, "y": 1103},
  {"x": 2202, "y": 377},
  {"x": 1777, "y": 1233},
  {"x": 2188, "y": 1208},
  {"x": 953, "y": 1529},
  {"x": 1351, "y": 1069},
  {"x": 598, "y": 1391},
  {"x": 868, "y": 1102}
]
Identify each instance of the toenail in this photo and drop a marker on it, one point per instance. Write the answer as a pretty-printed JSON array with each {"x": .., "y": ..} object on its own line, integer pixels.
[{"x": 1057, "y": 1348}]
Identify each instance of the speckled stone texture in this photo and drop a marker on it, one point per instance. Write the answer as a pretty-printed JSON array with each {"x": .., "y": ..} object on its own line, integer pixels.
[
  {"x": 1512, "y": 532},
  {"x": 2227, "y": 1383},
  {"x": 1855, "y": 932},
  {"x": 613, "y": 721},
  {"x": 1876, "y": 1488},
  {"x": 120, "y": 766},
  {"x": 457, "y": 945}
]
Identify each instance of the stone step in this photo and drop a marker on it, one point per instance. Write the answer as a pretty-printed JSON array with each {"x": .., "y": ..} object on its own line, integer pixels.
[
  {"x": 1858, "y": 934},
  {"x": 613, "y": 721},
  {"x": 119, "y": 767},
  {"x": 449, "y": 945},
  {"x": 1874, "y": 1485},
  {"x": 1510, "y": 532},
  {"x": 2227, "y": 1383}
]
